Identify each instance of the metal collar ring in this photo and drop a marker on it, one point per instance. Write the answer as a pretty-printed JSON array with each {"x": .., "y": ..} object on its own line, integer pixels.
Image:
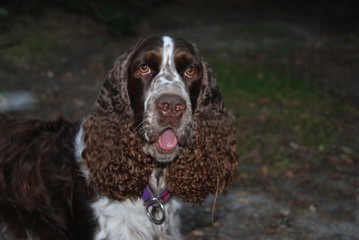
[{"x": 156, "y": 205}]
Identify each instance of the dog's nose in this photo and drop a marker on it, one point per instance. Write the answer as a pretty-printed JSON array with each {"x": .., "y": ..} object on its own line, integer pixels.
[{"x": 171, "y": 106}]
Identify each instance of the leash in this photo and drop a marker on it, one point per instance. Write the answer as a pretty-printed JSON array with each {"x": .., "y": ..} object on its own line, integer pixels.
[{"x": 153, "y": 202}]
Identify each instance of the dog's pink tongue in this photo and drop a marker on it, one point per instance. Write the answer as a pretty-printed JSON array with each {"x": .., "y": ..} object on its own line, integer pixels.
[{"x": 167, "y": 140}]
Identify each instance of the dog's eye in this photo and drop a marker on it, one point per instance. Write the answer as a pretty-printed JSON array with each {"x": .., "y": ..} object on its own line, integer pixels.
[
  {"x": 190, "y": 72},
  {"x": 144, "y": 69}
]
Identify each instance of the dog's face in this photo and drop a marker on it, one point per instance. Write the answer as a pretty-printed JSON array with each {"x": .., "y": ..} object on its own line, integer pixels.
[{"x": 164, "y": 82}]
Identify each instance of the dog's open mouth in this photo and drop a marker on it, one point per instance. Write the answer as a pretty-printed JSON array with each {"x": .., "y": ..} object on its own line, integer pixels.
[
  {"x": 166, "y": 146},
  {"x": 167, "y": 140}
]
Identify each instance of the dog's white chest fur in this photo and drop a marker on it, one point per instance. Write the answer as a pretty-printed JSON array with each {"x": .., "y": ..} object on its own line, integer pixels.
[{"x": 128, "y": 220}]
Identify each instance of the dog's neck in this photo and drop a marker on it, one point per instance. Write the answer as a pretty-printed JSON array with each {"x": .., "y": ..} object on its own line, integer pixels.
[{"x": 157, "y": 180}]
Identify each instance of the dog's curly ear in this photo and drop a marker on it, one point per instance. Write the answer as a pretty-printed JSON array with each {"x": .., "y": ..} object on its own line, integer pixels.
[
  {"x": 210, "y": 161},
  {"x": 112, "y": 153}
]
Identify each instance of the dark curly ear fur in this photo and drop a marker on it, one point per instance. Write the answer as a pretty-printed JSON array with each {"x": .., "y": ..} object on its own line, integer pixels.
[
  {"x": 113, "y": 154},
  {"x": 209, "y": 162}
]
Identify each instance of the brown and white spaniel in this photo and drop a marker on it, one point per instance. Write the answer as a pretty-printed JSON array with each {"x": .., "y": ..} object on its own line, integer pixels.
[{"x": 159, "y": 134}]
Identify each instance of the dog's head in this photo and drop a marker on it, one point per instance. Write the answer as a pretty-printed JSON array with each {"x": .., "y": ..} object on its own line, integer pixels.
[{"x": 160, "y": 104}]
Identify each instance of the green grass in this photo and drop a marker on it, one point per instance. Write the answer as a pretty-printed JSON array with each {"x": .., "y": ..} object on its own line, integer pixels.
[
  {"x": 279, "y": 115},
  {"x": 36, "y": 45},
  {"x": 252, "y": 83}
]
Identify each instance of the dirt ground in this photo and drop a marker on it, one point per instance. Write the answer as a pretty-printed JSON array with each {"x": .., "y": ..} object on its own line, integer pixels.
[{"x": 319, "y": 202}]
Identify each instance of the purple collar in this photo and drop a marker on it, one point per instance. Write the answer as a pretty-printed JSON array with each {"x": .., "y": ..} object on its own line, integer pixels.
[{"x": 153, "y": 203}]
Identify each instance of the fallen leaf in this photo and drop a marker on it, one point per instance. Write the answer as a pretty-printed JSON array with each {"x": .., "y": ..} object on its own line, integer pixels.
[
  {"x": 294, "y": 145},
  {"x": 312, "y": 208},
  {"x": 244, "y": 200},
  {"x": 198, "y": 233},
  {"x": 346, "y": 150},
  {"x": 264, "y": 171},
  {"x": 289, "y": 174},
  {"x": 348, "y": 161}
]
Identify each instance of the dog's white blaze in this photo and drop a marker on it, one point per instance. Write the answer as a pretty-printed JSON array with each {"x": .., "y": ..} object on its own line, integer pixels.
[
  {"x": 167, "y": 56},
  {"x": 167, "y": 80}
]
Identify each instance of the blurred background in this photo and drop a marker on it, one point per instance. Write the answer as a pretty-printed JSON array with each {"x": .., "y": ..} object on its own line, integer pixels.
[{"x": 289, "y": 72}]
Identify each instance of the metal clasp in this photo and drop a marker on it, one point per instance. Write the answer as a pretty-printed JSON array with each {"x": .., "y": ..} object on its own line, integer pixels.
[{"x": 156, "y": 205}]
